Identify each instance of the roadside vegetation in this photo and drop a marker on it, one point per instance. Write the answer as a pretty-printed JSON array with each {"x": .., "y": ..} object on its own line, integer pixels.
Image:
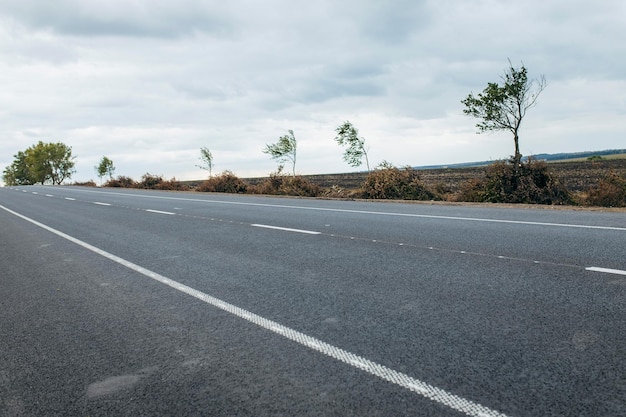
[
  {"x": 531, "y": 182},
  {"x": 104, "y": 168},
  {"x": 226, "y": 182},
  {"x": 390, "y": 182},
  {"x": 593, "y": 182},
  {"x": 610, "y": 192},
  {"x": 501, "y": 106}
]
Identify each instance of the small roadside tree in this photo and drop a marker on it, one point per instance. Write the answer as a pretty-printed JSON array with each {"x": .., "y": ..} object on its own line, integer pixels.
[
  {"x": 207, "y": 160},
  {"x": 284, "y": 150},
  {"x": 105, "y": 167},
  {"x": 503, "y": 107},
  {"x": 348, "y": 136}
]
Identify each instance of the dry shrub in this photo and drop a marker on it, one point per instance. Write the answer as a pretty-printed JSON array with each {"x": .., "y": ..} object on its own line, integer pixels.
[
  {"x": 90, "y": 183},
  {"x": 226, "y": 182},
  {"x": 278, "y": 184},
  {"x": 156, "y": 182},
  {"x": 473, "y": 191},
  {"x": 172, "y": 185},
  {"x": 120, "y": 182},
  {"x": 335, "y": 191},
  {"x": 149, "y": 181},
  {"x": 610, "y": 192},
  {"x": 389, "y": 182},
  {"x": 531, "y": 183}
]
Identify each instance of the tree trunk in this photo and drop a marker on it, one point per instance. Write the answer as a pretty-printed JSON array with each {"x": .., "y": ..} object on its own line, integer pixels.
[{"x": 517, "y": 158}]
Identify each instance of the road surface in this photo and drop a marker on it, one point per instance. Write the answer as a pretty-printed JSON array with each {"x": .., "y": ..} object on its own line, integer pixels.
[{"x": 131, "y": 302}]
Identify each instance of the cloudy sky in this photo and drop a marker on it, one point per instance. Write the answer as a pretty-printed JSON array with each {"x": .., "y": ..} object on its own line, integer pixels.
[{"x": 147, "y": 83}]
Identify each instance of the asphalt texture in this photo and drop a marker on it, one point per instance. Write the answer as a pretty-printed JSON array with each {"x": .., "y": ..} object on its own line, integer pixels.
[{"x": 494, "y": 306}]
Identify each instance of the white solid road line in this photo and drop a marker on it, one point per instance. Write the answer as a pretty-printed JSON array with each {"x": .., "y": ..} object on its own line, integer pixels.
[
  {"x": 419, "y": 387},
  {"x": 287, "y": 229},
  {"x": 160, "y": 212},
  {"x": 606, "y": 270}
]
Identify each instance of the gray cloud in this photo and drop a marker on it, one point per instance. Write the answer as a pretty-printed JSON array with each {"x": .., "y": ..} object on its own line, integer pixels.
[{"x": 160, "y": 19}]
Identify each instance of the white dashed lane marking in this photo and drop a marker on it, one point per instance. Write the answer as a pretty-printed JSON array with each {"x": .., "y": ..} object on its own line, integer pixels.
[
  {"x": 160, "y": 212},
  {"x": 606, "y": 270},
  {"x": 101, "y": 204},
  {"x": 287, "y": 229}
]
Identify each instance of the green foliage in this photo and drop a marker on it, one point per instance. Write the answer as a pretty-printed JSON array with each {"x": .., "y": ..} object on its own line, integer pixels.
[
  {"x": 531, "y": 183},
  {"x": 105, "y": 167},
  {"x": 18, "y": 173},
  {"x": 43, "y": 163},
  {"x": 503, "y": 107},
  {"x": 284, "y": 150},
  {"x": 226, "y": 182},
  {"x": 595, "y": 158},
  {"x": 389, "y": 182},
  {"x": 207, "y": 159},
  {"x": 610, "y": 192},
  {"x": 348, "y": 136}
]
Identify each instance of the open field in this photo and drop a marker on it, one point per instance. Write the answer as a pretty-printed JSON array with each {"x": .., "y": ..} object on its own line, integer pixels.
[
  {"x": 611, "y": 156},
  {"x": 576, "y": 175}
]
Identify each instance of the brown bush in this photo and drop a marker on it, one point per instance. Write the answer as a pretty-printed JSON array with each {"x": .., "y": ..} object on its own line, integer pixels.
[
  {"x": 172, "y": 185},
  {"x": 149, "y": 181},
  {"x": 531, "y": 183},
  {"x": 90, "y": 183},
  {"x": 120, "y": 182},
  {"x": 473, "y": 191},
  {"x": 278, "y": 184},
  {"x": 610, "y": 192},
  {"x": 156, "y": 182},
  {"x": 389, "y": 182},
  {"x": 226, "y": 182},
  {"x": 335, "y": 191}
]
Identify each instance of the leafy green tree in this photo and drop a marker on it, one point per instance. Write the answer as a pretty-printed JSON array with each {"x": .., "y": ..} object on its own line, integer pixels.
[
  {"x": 503, "y": 107},
  {"x": 348, "y": 136},
  {"x": 207, "y": 159},
  {"x": 105, "y": 167},
  {"x": 41, "y": 163},
  {"x": 284, "y": 150},
  {"x": 18, "y": 172}
]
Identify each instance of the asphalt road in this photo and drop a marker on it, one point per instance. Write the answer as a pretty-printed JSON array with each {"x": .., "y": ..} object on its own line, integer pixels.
[{"x": 130, "y": 302}]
